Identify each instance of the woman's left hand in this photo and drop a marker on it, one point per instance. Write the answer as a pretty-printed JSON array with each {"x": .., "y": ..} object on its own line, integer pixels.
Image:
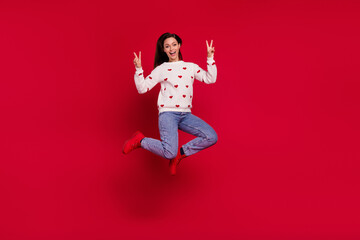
[{"x": 210, "y": 49}]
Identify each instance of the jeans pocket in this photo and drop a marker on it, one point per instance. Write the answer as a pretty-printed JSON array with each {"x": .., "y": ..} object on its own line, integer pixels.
[{"x": 161, "y": 120}]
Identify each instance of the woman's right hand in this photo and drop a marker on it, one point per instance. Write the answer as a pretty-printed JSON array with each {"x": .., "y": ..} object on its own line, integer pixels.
[{"x": 137, "y": 60}]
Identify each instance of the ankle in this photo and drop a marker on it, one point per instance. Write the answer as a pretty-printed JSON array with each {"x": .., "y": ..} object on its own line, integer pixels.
[{"x": 182, "y": 151}]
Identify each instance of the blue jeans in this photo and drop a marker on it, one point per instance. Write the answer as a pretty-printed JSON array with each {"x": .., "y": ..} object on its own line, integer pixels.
[{"x": 169, "y": 123}]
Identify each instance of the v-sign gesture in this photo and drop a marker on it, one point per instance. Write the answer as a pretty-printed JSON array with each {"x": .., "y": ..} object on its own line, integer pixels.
[
  {"x": 137, "y": 60},
  {"x": 210, "y": 49}
]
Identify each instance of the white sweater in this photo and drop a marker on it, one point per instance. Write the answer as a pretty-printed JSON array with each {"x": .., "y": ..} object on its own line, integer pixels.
[{"x": 176, "y": 79}]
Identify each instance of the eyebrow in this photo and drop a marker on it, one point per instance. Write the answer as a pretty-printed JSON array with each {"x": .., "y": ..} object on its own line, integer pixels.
[{"x": 168, "y": 43}]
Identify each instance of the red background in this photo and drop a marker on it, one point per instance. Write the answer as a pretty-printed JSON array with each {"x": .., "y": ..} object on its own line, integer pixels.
[{"x": 285, "y": 107}]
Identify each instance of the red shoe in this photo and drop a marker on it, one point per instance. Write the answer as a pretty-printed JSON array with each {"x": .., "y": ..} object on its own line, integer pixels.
[
  {"x": 133, "y": 142},
  {"x": 180, "y": 158},
  {"x": 174, "y": 162}
]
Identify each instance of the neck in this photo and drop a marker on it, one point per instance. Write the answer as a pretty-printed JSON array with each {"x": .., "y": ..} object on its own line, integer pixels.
[{"x": 177, "y": 59}]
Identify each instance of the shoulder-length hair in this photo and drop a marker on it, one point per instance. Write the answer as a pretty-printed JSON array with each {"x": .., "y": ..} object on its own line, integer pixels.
[{"x": 160, "y": 55}]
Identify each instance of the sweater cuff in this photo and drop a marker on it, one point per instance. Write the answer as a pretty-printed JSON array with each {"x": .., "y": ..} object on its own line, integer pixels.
[
  {"x": 138, "y": 69},
  {"x": 210, "y": 61}
]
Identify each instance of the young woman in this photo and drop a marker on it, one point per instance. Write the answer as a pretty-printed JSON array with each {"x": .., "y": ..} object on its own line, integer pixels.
[{"x": 176, "y": 78}]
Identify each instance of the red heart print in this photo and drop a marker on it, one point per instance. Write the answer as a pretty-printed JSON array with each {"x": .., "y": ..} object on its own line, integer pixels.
[
  {"x": 180, "y": 76},
  {"x": 164, "y": 89},
  {"x": 170, "y": 97},
  {"x": 184, "y": 96},
  {"x": 161, "y": 105},
  {"x": 190, "y": 96},
  {"x": 198, "y": 71},
  {"x": 177, "y": 105},
  {"x": 188, "y": 105},
  {"x": 187, "y": 86},
  {"x": 176, "y": 86},
  {"x": 192, "y": 77},
  {"x": 165, "y": 79},
  {"x": 169, "y": 69},
  {"x": 213, "y": 63},
  {"x": 184, "y": 68},
  {"x": 148, "y": 89},
  {"x": 150, "y": 77},
  {"x": 140, "y": 74}
]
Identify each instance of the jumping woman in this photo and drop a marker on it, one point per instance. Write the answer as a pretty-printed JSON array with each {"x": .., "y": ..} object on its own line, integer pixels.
[{"x": 176, "y": 78}]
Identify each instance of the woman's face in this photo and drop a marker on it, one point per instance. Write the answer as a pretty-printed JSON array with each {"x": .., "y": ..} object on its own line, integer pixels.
[{"x": 171, "y": 48}]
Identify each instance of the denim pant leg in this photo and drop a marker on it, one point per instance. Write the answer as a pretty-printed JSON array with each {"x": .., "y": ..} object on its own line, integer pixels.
[
  {"x": 168, "y": 127},
  {"x": 206, "y": 135}
]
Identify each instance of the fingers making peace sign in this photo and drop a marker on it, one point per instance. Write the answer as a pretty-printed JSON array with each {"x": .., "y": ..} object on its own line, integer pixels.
[
  {"x": 210, "y": 49},
  {"x": 210, "y": 54},
  {"x": 137, "y": 60}
]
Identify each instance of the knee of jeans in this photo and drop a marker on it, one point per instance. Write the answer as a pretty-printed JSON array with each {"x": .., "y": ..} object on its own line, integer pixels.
[
  {"x": 212, "y": 138},
  {"x": 170, "y": 154}
]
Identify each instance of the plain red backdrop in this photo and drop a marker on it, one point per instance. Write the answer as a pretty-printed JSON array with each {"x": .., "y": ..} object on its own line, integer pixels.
[{"x": 285, "y": 106}]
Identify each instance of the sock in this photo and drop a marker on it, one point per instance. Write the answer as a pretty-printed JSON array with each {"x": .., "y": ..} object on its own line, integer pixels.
[{"x": 182, "y": 151}]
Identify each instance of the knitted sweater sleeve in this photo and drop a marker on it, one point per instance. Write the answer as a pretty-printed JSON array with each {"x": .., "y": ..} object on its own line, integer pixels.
[
  {"x": 144, "y": 85},
  {"x": 208, "y": 76}
]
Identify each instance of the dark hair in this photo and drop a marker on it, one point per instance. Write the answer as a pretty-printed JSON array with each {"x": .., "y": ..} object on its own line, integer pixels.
[{"x": 160, "y": 55}]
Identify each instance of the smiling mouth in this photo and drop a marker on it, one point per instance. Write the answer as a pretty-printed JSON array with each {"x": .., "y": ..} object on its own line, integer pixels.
[{"x": 172, "y": 54}]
